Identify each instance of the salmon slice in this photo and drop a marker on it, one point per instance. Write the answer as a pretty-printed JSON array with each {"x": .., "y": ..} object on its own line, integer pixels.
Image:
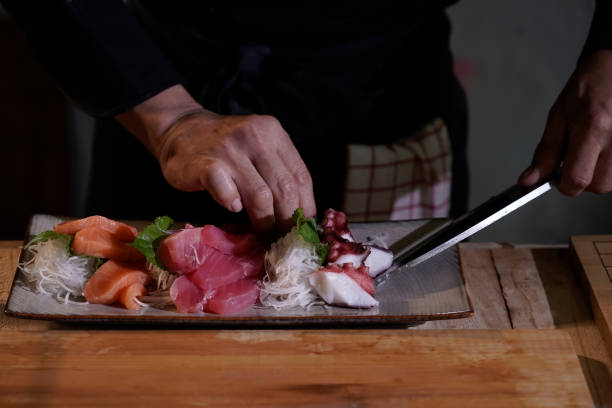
[
  {"x": 121, "y": 231},
  {"x": 106, "y": 285},
  {"x": 95, "y": 241},
  {"x": 127, "y": 295}
]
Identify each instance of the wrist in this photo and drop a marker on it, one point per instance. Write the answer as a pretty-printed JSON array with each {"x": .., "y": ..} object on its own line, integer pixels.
[{"x": 150, "y": 120}]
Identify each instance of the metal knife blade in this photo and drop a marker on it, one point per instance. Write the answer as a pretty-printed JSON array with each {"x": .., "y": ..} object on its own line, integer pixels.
[{"x": 468, "y": 224}]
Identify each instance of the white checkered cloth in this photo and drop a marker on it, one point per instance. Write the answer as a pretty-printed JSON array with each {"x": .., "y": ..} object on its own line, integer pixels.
[{"x": 408, "y": 179}]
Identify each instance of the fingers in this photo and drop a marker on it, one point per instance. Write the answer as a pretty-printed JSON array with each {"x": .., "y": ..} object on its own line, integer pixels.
[
  {"x": 602, "y": 176},
  {"x": 548, "y": 153},
  {"x": 256, "y": 196},
  {"x": 217, "y": 180},
  {"x": 283, "y": 187},
  {"x": 584, "y": 148},
  {"x": 302, "y": 177}
]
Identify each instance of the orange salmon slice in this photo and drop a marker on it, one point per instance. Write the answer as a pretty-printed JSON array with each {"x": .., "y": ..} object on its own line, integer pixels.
[
  {"x": 95, "y": 241},
  {"x": 113, "y": 280},
  {"x": 121, "y": 231},
  {"x": 128, "y": 295}
]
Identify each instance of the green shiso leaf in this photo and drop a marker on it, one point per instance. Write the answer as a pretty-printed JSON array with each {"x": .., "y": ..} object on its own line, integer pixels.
[
  {"x": 307, "y": 228},
  {"x": 148, "y": 240},
  {"x": 47, "y": 235}
]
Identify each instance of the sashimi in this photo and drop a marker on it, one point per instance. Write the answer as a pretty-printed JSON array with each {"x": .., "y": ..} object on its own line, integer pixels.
[
  {"x": 128, "y": 295},
  {"x": 360, "y": 275},
  {"x": 121, "y": 231},
  {"x": 94, "y": 241},
  {"x": 180, "y": 252},
  {"x": 106, "y": 284},
  {"x": 339, "y": 289},
  {"x": 187, "y": 297},
  {"x": 234, "y": 297},
  {"x": 218, "y": 269},
  {"x": 231, "y": 244}
]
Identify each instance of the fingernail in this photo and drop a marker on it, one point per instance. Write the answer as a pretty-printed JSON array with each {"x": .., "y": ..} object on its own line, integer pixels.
[{"x": 236, "y": 205}]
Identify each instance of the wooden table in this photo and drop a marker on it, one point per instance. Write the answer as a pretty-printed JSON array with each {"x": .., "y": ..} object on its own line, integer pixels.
[{"x": 535, "y": 345}]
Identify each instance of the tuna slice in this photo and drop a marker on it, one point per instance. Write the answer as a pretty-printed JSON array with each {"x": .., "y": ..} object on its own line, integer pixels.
[
  {"x": 339, "y": 289},
  {"x": 95, "y": 241},
  {"x": 231, "y": 244},
  {"x": 187, "y": 297},
  {"x": 119, "y": 230},
  {"x": 180, "y": 251},
  {"x": 234, "y": 297},
  {"x": 378, "y": 260},
  {"x": 107, "y": 283},
  {"x": 127, "y": 296},
  {"x": 218, "y": 269}
]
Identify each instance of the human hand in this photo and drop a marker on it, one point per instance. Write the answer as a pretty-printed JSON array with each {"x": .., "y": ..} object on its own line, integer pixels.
[
  {"x": 242, "y": 161},
  {"x": 578, "y": 132}
]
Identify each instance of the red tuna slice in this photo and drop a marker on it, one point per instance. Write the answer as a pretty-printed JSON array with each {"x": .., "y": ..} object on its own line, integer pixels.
[
  {"x": 218, "y": 269},
  {"x": 231, "y": 244},
  {"x": 360, "y": 275},
  {"x": 187, "y": 297},
  {"x": 180, "y": 251},
  {"x": 234, "y": 297}
]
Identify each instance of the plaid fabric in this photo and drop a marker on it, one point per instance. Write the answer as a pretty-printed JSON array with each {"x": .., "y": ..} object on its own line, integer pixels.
[{"x": 409, "y": 179}]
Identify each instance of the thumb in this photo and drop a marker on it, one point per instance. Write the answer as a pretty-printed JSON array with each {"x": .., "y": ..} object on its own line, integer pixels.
[{"x": 549, "y": 152}]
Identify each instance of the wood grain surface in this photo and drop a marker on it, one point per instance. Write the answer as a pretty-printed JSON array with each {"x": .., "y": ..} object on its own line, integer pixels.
[
  {"x": 485, "y": 277},
  {"x": 348, "y": 368}
]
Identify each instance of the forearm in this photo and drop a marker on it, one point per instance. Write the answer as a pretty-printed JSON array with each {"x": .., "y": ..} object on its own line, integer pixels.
[{"x": 149, "y": 120}]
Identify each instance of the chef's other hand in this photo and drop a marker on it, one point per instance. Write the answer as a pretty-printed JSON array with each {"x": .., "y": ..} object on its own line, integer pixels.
[
  {"x": 242, "y": 161},
  {"x": 579, "y": 132}
]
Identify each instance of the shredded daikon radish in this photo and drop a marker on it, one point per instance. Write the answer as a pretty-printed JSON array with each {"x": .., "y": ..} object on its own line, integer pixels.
[
  {"x": 288, "y": 263},
  {"x": 54, "y": 273}
]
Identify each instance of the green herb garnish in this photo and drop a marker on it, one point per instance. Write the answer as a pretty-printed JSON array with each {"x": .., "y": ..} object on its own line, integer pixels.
[
  {"x": 307, "y": 228},
  {"x": 148, "y": 240},
  {"x": 47, "y": 235}
]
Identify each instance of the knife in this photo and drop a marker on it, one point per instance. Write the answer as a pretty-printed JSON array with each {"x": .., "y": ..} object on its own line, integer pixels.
[{"x": 468, "y": 224}]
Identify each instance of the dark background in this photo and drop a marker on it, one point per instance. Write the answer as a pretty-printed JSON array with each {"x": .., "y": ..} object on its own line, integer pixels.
[{"x": 512, "y": 57}]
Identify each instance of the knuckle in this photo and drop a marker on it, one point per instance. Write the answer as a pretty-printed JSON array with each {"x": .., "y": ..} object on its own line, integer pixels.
[
  {"x": 578, "y": 183},
  {"x": 601, "y": 121},
  {"x": 261, "y": 197},
  {"x": 286, "y": 186},
  {"x": 302, "y": 176}
]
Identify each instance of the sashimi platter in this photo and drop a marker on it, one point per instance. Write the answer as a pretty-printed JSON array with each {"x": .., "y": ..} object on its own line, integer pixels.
[{"x": 105, "y": 270}]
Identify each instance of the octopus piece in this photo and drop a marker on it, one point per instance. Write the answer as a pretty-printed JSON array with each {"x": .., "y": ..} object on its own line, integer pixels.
[
  {"x": 335, "y": 223},
  {"x": 344, "y": 285},
  {"x": 379, "y": 259},
  {"x": 342, "y": 251}
]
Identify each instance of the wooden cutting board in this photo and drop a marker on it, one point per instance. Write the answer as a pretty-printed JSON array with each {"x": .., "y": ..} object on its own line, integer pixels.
[
  {"x": 592, "y": 254},
  {"x": 341, "y": 368}
]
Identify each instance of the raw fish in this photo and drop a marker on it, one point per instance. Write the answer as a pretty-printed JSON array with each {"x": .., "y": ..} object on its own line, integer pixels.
[
  {"x": 127, "y": 295},
  {"x": 231, "y": 244},
  {"x": 107, "y": 283},
  {"x": 95, "y": 241},
  {"x": 339, "y": 289},
  {"x": 218, "y": 269},
  {"x": 378, "y": 260},
  {"x": 187, "y": 297},
  {"x": 234, "y": 297},
  {"x": 121, "y": 231},
  {"x": 181, "y": 250}
]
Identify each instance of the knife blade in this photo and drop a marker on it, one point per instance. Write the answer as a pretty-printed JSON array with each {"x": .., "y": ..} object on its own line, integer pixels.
[{"x": 468, "y": 224}]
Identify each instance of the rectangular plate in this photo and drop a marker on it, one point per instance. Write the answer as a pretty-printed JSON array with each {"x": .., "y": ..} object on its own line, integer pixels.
[{"x": 432, "y": 290}]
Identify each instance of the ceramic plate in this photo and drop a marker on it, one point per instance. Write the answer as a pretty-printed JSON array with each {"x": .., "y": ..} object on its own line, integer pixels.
[{"x": 432, "y": 290}]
